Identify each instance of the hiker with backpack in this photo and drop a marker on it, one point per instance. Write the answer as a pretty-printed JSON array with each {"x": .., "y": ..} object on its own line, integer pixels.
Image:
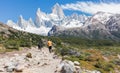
[
  {"x": 40, "y": 45},
  {"x": 49, "y": 43}
]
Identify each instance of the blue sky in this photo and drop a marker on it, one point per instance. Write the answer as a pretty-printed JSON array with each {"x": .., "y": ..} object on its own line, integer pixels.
[{"x": 11, "y": 9}]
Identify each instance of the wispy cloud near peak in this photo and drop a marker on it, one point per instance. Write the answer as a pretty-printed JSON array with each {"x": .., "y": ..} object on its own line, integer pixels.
[{"x": 92, "y": 7}]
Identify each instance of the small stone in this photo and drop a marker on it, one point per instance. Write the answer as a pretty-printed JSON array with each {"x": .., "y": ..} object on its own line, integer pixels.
[
  {"x": 1, "y": 69},
  {"x": 44, "y": 64},
  {"x": 29, "y": 55},
  {"x": 38, "y": 63},
  {"x": 77, "y": 67}
]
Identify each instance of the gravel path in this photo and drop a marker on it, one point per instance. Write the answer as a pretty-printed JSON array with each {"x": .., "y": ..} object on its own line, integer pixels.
[{"x": 41, "y": 62}]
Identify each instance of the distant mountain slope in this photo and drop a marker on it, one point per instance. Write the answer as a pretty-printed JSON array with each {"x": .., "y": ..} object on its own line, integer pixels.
[{"x": 100, "y": 26}]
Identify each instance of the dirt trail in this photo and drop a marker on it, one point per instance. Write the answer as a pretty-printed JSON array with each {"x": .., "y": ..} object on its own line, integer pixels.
[
  {"x": 47, "y": 64},
  {"x": 41, "y": 62}
]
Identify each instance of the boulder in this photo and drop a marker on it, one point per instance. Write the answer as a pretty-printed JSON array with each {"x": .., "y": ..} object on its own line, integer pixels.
[
  {"x": 19, "y": 68},
  {"x": 59, "y": 67},
  {"x": 68, "y": 67},
  {"x": 118, "y": 56},
  {"x": 78, "y": 69},
  {"x": 95, "y": 71},
  {"x": 76, "y": 63},
  {"x": 74, "y": 52},
  {"x": 88, "y": 71},
  {"x": 10, "y": 68}
]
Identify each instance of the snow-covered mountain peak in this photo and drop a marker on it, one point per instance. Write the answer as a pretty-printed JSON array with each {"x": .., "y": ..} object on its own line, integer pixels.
[
  {"x": 22, "y": 22},
  {"x": 31, "y": 23},
  {"x": 44, "y": 22},
  {"x": 38, "y": 10},
  {"x": 20, "y": 18},
  {"x": 30, "y": 19},
  {"x": 40, "y": 18},
  {"x": 41, "y": 15},
  {"x": 57, "y": 5},
  {"x": 11, "y": 23},
  {"x": 102, "y": 16},
  {"x": 75, "y": 15},
  {"x": 57, "y": 10}
]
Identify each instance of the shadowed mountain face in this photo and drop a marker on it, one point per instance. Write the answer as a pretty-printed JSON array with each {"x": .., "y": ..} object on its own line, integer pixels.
[{"x": 99, "y": 26}]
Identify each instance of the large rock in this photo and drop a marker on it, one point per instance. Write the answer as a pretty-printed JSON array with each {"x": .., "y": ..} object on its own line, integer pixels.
[
  {"x": 68, "y": 67},
  {"x": 118, "y": 56},
  {"x": 95, "y": 71},
  {"x": 19, "y": 68},
  {"x": 78, "y": 69},
  {"x": 10, "y": 66},
  {"x": 76, "y": 63}
]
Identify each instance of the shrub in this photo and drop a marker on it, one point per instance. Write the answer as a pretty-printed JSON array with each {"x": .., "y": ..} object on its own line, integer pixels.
[
  {"x": 106, "y": 66},
  {"x": 64, "y": 51},
  {"x": 11, "y": 44},
  {"x": 84, "y": 55},
  {"x": 86, "y": 65},
  {"x": 29, "y": 55},
  {"x": 25, "y": 44},
  {"x": 116, "y": 61},
  {"x": 72, "y": 58}
]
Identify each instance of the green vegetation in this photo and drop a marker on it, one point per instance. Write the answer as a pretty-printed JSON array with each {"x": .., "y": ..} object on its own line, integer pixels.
[
  {"x": 15, "y": 40},
  {"x": 92, "y": 54}
]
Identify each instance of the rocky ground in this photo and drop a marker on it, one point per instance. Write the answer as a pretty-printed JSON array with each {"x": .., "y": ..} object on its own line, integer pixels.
[
  {"x": 37, "y": 61},
  {"x": 29, "y": 61}
]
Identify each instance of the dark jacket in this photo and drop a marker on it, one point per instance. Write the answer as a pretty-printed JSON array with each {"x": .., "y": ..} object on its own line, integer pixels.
[{"x": 40, "y": 44}]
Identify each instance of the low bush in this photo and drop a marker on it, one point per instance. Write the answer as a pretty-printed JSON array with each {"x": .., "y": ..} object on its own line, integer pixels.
[
  {"x": 106, "y": 66},
  {"x": 11, "y": 44},
  {"x": 116, "y": 61}
]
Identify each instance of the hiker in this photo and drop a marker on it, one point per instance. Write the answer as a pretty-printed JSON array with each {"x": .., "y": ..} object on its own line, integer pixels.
[
  {"x": 49, "y": 43},
  {"x": 40, "y": 45}
]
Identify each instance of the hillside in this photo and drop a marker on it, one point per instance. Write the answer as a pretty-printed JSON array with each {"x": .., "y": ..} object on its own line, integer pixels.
[
  {"x": 100, "y": 55},
  {"x": 12, "y": 39}
]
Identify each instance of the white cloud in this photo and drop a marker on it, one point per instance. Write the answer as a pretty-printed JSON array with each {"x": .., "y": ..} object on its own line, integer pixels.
[{"x": 91, "y": 8}]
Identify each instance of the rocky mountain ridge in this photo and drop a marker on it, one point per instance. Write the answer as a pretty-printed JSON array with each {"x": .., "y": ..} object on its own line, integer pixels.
[
  {"x": 44, "y": 22},
  {"x": 100, "y": 26}
]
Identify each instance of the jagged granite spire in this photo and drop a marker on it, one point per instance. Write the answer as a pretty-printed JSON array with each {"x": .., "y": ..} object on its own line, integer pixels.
[
  {"x": 31, "y": 22},
  {"x": 40, "y": 18},
  {"x": 57, "y": 10},
  {"x": 22, "y": 22}
]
